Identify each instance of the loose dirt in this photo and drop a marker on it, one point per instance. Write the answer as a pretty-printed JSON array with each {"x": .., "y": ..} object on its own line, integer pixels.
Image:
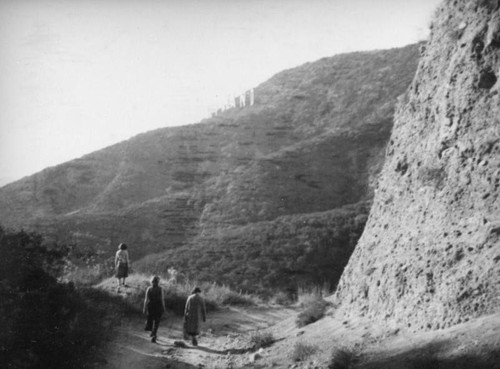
[{"x": 223, "y": 343}]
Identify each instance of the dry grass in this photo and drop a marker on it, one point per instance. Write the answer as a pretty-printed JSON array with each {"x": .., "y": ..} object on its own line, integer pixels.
[
  {"x": 314, "y": 312},
  {"x": 260, "y": 339},
  {"x": 308, "y": 295},
  {"x": 86, "y": 275},
  {"x": 342, "y": 358},
  {"x": 302, "y": 351},
  {"x": 176, "y": 292},
  {"x": 281, "y": 298},
  {"x": 311, "y": 299}
]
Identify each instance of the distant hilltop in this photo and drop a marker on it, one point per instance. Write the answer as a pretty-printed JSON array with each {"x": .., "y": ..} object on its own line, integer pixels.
[
  {"x": 5, "y": 180},
  {"x": 247, "y": 98}
]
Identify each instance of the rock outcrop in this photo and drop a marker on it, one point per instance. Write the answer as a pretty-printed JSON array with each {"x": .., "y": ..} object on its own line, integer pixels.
[{"x": 429, "y": 256}]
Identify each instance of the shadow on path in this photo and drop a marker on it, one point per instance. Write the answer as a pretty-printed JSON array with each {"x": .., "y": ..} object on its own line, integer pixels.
[
  {"x": 222, "y": 352},
  {"x": 229, "y": 351}
]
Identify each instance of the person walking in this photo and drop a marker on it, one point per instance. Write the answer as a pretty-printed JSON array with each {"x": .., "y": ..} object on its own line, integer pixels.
[
  {"x": 154, "y": 307},
  {"x": 122, "y": 264},
  {"x": 194, "y": 313}
]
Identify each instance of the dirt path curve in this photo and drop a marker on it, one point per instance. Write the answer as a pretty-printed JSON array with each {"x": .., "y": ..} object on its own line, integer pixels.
[{"x": 224, "y": 341}]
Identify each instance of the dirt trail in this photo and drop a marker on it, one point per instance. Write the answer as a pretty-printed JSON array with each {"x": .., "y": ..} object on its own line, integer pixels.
[{"x": 223, "y": 342}]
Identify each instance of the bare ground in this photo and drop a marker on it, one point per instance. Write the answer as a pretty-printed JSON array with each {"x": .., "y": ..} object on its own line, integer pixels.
[{"x": 225, "y": 343}]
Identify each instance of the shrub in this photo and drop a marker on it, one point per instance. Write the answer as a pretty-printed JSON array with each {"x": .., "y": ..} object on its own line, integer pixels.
[
  {"x": 84, "y": 267},
  {"x": 281, "y": 298},
  {"x": 314, "y": 312},
  {"x": 224, "y": 295},
  {"x": 260, "y": 339},
  {"x": 238, "y": 299},
  {"x": 342, "y": 358},
  {"x": 52, "y": 327},
  {"x": 85, "y": 275},
  {"x": 308, "y": 295},
  {"x": 45, "y": 323},
  {"x": 301, "y": 351}
]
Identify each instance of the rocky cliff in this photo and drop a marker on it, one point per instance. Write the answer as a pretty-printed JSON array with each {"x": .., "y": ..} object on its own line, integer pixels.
[
  {"x": 429, "y": 256},
  {"x": 313, "y": 142}
]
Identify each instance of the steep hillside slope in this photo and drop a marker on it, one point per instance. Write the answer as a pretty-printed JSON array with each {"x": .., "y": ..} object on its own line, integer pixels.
[
  {"x": 294, "y": 250},
  {"x": 314, "y": 141},
  {"x": 430, "y": 253},
  {"x": 319, "y": 174}
]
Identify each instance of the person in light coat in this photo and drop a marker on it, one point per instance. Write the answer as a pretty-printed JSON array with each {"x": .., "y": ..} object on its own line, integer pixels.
[{"x": 194, "y": 314}]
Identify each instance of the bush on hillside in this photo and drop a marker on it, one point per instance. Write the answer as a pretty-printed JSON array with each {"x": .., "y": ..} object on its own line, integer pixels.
[
  {"x": 307, "y": 295},
  {"x": 222, "y": 295},
  {"x": 86, "y": 275},
  {"x": 85, "y": 267},
  {"x": 281, "y": 298},
  {"x": 233, "y": 298},
  {"x": 313, "y": 312},
  {"x": 260, "y": 339},
  {"x": 46, "y": 324},
  {"x": 302, "y": 351},
  {"x": 342, "y": 358}
]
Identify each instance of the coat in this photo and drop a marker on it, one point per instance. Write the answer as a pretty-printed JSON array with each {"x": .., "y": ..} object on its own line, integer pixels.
[{"x": 194, "y": 314}]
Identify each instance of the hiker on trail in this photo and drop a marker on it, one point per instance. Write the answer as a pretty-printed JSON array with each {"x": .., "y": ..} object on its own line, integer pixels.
[
  {"x": 194, "y": 313},
  {"x": 154, "y": 306},
  {"x": 121, "y": 265}
]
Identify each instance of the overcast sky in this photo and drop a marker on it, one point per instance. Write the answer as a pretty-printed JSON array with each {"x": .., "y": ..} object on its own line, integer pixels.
[{"x": 79, "y": 75}]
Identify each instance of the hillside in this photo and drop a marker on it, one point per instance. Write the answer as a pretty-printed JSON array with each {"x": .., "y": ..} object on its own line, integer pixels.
[
  {"x": 307, "y": 249},
  {"x": 429, "y": 256},
  {"x": 313, "y": 142}
]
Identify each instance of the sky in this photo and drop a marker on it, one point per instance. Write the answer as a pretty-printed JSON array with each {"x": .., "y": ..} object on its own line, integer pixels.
[{"x": 80, "y": 75}]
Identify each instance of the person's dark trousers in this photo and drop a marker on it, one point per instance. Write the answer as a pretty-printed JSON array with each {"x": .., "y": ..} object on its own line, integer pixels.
[
  {"x": 156, "y": 324},
  {"x": 153, "y": 322}
]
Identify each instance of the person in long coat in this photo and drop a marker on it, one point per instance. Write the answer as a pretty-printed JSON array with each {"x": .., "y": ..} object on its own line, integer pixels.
[{"x": 194, "y": 314}]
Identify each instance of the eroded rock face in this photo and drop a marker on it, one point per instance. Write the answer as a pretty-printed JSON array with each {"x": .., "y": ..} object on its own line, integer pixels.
[{"x": 430, "y": 254}]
